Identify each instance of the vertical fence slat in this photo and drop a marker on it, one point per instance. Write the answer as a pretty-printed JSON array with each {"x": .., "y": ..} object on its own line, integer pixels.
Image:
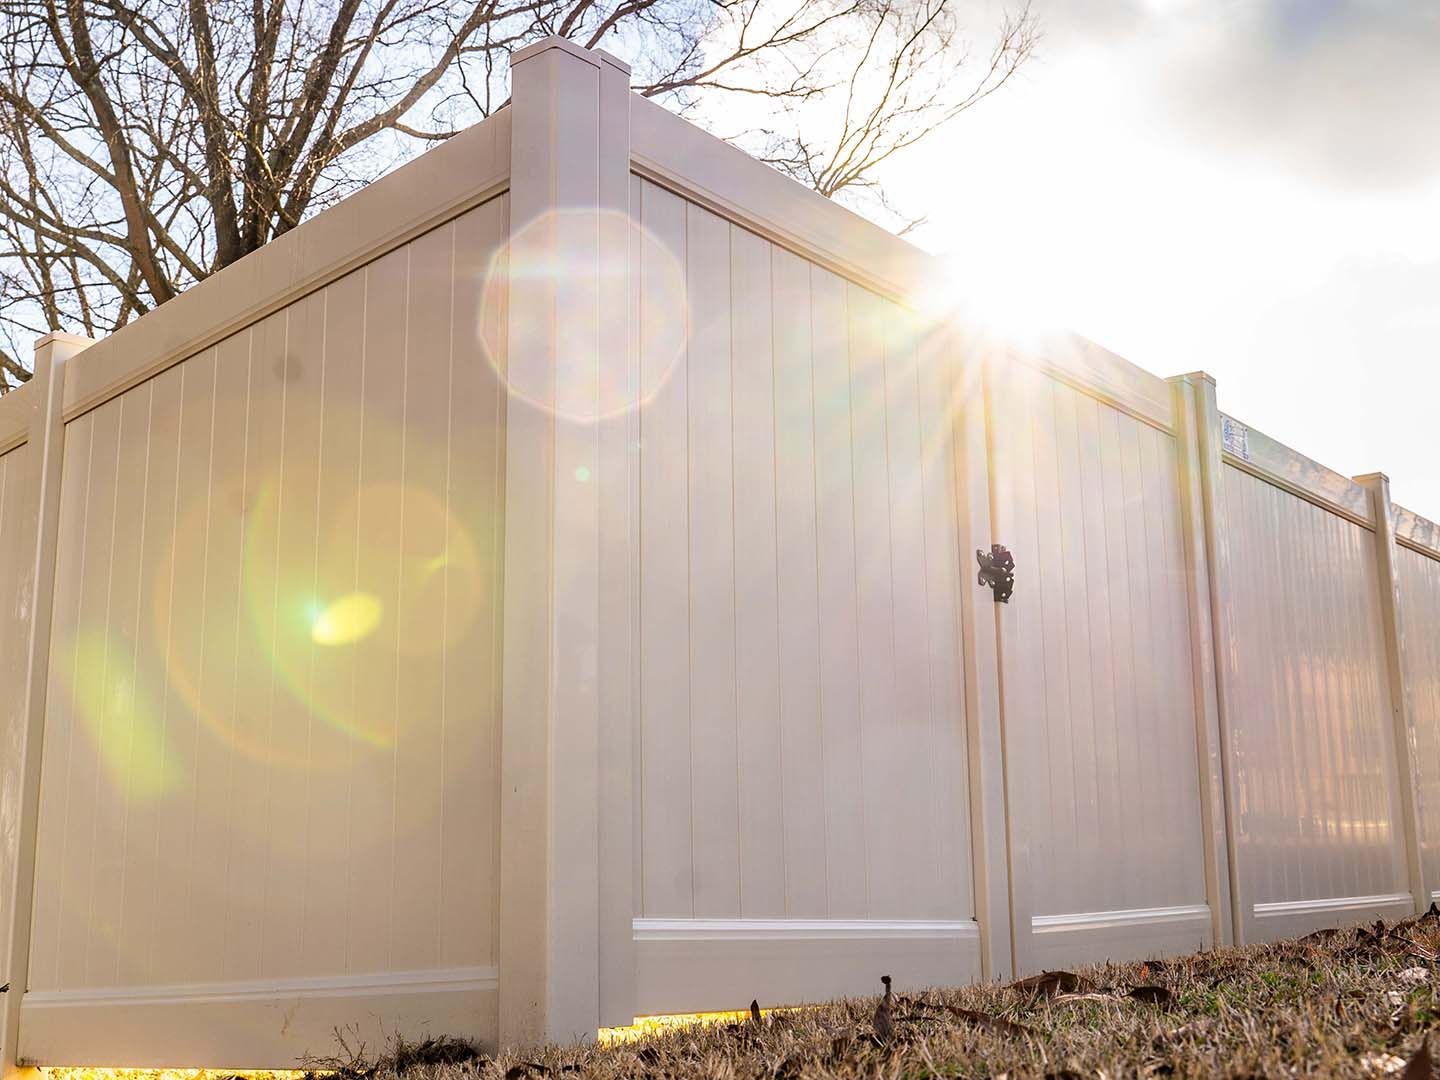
[
  {"x": 619, "y": 572},
  {"x": 980, "y": 640}
]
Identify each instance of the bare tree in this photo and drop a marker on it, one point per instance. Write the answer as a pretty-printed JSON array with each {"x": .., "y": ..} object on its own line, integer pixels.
[
  {"x": 146, "y": 144},
  {"x": 907, "y": 75}
]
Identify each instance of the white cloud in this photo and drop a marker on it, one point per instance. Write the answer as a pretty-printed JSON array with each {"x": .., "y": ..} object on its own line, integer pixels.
[{"x": 1345, "y": 91}]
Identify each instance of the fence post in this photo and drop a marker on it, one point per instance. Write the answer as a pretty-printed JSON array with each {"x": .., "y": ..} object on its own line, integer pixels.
[
  {"x": 1209, "y": 749},
  {"x": 46, "y": 450},
  {"x": 1402, "y": 714},
  {"x": 570, "y": 158},
  {"x": 1208, "y": 467},
  {"x": 985, "y": 736}
]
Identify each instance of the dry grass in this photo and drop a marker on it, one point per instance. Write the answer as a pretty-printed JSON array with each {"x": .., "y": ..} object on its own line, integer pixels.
[
  {"x": 1353, "y": 1003},
  {"x": 1349, "y": 1003}
]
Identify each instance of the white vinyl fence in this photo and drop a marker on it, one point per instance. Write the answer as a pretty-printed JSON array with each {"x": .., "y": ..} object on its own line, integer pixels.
[{"x": 542, "y": 590}]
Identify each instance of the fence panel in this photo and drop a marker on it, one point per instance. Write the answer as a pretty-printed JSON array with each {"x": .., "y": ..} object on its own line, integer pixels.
[
  {"x": 1319, "y": 836},
  {"x": 1106, "y": 831},
  {"x": 268, "y": 792},
  {"x": 1419, "y": 575}
]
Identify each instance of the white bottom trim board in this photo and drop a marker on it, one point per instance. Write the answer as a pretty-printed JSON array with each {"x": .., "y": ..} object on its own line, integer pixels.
[
  {"x": 701, "y": 965},
  {"x": 260, "y": 1024},
  {"x": 1087, "y": 937},
  {"x": 1286, "y": 908},
  {"x": 1292, "y": 918}
]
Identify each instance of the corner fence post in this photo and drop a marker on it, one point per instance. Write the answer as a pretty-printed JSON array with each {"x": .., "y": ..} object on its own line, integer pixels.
[
  {"x": 569, "y": 162},
  {"x": 1402, "y": 713},
  {"x": 1205, "y": 522},
  {"x": 1209, "y": 751},
  {"x": 46, "y": 449}
]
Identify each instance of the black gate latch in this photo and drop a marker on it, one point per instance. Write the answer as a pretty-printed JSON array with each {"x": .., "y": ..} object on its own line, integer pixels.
[{"x": 997, "y": 570}]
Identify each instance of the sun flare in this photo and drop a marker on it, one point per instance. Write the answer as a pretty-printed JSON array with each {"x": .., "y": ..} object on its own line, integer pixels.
[
  {"x": 1001, "y": 298},
  {"x": 346, "y": 620}
]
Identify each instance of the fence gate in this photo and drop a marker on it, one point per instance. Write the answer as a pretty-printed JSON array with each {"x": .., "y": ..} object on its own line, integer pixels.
[
  {"x": 1098, "y": 702},
  {"x": 800, "y": 792}
]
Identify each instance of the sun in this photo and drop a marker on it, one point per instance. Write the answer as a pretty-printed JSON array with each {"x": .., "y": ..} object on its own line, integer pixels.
[{"x": 1009, "y": 298}]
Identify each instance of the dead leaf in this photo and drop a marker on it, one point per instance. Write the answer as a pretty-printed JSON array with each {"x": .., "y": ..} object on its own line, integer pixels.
[
  {"x": 1151, "y": 995},
  {"x": 1051, "y": 983},
  {"x": 755, "y": 1011},
  {"x": 790, "y": 1067},
  {"x": 1193, "y": 1031},
  {"x": 883, "y": 1022},
  {"x": 920, "y": 1010},
  {"x": 997, "y": 1024},
  {"x": 1417, "y": 920},
  {"x": 1371, "y": 936},
  {"x": 1420, "y": 1066}
]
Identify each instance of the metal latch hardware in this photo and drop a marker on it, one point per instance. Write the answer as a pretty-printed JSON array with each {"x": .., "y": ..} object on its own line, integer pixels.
[{"x": 997, "y": 570}]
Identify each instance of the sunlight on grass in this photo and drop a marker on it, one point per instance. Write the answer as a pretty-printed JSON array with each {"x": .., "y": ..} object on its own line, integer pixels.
[
  {"x": 645, "y": 1026},
  {"x": 91, "y": 1073}
]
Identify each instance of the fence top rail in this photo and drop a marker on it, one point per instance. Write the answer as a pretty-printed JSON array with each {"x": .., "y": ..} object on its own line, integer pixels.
[
  {"x": 438, "y": 185},
  {"x": 15, "y": 409},
  {"x": 1095, "y": 370},
  {"x": 1417, "y": 532},
  {"x": 1271, "y": 460},
  {"x": 674, "y": 153}
]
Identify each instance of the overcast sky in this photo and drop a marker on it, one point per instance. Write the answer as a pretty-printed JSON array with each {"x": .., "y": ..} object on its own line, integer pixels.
[{"x": 1248, "y": 188}]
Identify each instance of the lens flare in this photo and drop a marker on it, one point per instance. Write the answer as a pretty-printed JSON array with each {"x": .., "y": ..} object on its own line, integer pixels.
[
  {"x": 120, "y": 714},
  {"x": 346, "y": 620},
  {"x": 342, "y": 613},
  {"x": 544, "y": 263},
  {"x": 394, "y": 583}
]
